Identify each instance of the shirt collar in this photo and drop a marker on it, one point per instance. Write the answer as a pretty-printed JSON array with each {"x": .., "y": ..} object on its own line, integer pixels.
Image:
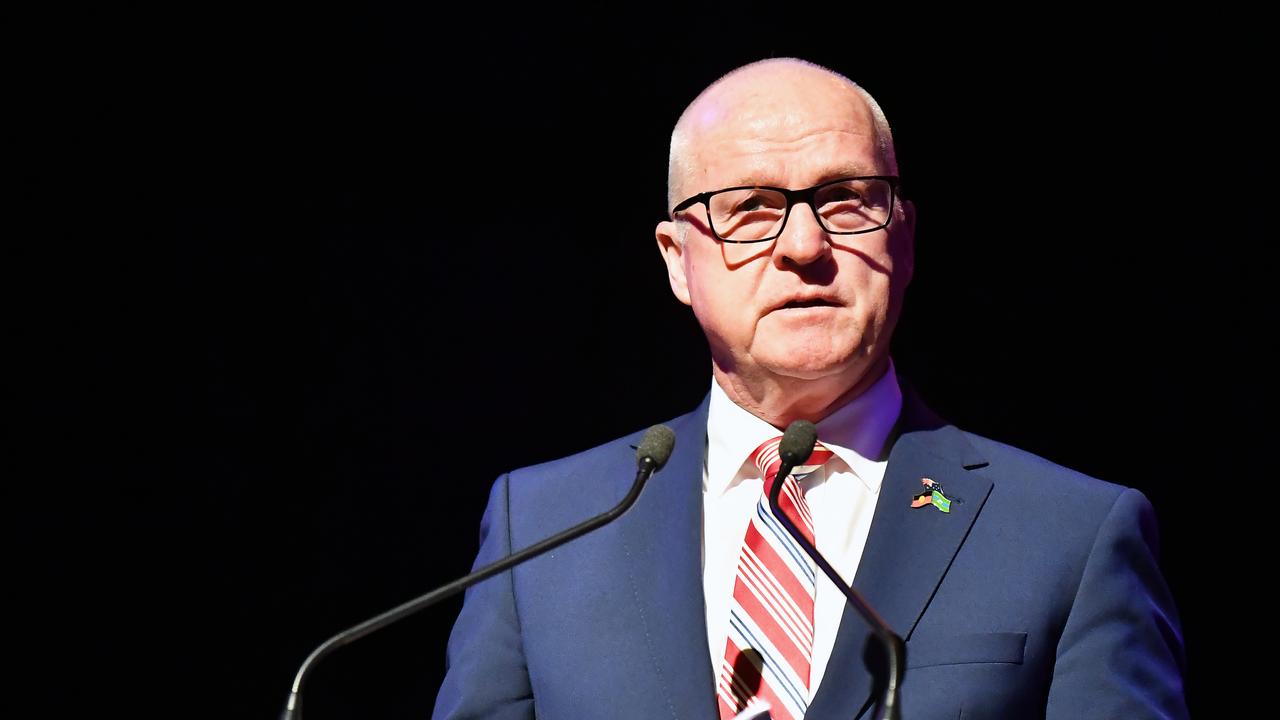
[{"x": 856, "y": 433}]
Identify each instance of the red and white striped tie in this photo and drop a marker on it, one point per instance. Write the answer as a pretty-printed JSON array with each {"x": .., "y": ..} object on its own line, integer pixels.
[{"x": 770, "y": 644}]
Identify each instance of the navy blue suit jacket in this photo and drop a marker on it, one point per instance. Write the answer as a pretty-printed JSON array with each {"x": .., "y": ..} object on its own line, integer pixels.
[{"x": 1038, "y": 596}]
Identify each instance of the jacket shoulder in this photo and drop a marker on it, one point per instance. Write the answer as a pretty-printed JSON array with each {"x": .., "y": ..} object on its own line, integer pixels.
[
  {"x": 1031, "y": 481},
  {"x": 569, "y": 488}
]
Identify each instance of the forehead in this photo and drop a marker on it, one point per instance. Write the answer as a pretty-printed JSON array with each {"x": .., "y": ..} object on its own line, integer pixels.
[{"x": 784, "y": 131}]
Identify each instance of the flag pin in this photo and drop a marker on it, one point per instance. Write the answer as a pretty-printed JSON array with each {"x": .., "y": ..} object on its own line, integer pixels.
[{"x": 933, "y": 495}]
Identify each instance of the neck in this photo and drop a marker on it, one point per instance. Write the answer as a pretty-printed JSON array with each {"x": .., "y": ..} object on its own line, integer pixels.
[{"x": 781, "y": 400}]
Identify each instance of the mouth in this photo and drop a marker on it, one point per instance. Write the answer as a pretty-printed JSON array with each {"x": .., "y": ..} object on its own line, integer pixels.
[
  {"x": 801, "y": 303},
  {"x": 815, "y": 302}
]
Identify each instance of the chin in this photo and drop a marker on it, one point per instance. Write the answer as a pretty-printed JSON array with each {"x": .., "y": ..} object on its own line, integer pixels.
[
  {"x": 812, "y": 363},
  {"x": 811, "y": 351}
]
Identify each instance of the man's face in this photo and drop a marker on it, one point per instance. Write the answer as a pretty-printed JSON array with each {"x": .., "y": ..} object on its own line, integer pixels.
[{"x": 809, "y": 304}]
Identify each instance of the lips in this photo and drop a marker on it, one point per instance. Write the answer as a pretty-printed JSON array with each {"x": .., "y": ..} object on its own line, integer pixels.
[
  {"x": 812, "y": 302},
  {"x": 805, "y": 301}
]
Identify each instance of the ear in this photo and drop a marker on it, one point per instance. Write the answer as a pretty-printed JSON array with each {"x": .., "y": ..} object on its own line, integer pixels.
[{"x": 668, "y": 235}]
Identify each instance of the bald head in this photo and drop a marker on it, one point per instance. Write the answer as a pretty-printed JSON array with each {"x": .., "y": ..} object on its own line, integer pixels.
[{"x": 772, "y": 92}]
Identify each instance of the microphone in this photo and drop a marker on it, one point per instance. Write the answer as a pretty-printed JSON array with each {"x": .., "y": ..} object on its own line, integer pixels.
[
  {"x": 796, "y": 447},
  {"x": 653, "y": 452}
]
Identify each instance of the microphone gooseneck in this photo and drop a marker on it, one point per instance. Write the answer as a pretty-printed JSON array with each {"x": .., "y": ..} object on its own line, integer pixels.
[
  {"x": 653, "y": 452},
  {"x": 797, "y": 445}
]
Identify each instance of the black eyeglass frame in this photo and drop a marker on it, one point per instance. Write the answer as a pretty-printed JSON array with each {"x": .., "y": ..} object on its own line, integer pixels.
[{"x": 808, "y": 194}]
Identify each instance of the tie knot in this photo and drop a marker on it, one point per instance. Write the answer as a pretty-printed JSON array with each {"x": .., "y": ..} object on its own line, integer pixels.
[{"x": 767, "y": 458}]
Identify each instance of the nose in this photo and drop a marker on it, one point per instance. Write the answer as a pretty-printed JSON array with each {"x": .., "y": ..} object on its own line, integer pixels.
[{"x": 803, "y": 241}]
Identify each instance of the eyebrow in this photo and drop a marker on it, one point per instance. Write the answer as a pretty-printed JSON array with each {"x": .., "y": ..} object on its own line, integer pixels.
[{"x": 854, "y": 170}]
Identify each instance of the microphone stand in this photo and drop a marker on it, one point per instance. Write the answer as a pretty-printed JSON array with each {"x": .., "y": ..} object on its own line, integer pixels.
[
  {"x": 647, "y": 466},
  {"x": 896, "y": 650}
]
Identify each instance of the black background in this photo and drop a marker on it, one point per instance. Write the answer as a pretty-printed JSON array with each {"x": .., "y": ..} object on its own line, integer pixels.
[{"x": 270, "y": 265}]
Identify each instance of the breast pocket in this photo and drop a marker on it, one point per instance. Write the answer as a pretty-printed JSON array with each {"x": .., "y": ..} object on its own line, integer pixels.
[{"x": 966, "y": 648}]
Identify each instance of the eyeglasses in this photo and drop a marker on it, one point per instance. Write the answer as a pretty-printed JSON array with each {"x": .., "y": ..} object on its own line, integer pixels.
[{"x": 754, "y": 213}]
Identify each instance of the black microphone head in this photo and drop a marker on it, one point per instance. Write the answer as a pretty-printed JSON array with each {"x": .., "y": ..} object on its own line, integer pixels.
[
  {"x": 797, "y": 442},
  {"x": 656, "y": 446}
]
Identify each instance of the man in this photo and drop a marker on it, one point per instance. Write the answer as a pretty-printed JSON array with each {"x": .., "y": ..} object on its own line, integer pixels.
[{"x": 1022, "y": 589}]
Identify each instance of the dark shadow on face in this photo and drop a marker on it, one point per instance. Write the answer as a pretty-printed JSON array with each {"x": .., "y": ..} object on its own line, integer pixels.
[
  {"x": 820, "y": 273},
  {"x": 735, "y": 255},
  {"x": 837, "y": 244}
]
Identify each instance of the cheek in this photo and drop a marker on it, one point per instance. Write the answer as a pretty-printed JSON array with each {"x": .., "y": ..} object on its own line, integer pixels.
[
  {"x": 874, "y": 289},
  {"x": 721, "y": 301}
]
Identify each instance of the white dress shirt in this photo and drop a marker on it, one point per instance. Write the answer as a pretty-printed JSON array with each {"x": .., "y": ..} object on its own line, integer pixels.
[{"x": 841, "y": 497}]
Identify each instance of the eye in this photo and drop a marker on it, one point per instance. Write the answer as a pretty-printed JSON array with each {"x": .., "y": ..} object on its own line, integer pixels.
[
  {"x": 842, "y": 193},
  {"x": 850, "y": 191},
  {"x": 756, "y": 201}
]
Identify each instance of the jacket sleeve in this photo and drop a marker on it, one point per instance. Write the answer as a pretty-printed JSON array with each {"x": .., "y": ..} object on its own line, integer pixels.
[
  {"x": 486, "y": 673},
  {"x": 1121, "y": 652}
]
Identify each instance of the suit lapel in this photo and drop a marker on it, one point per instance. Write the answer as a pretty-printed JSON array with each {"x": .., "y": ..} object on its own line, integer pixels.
[
  {"x": 663, "y": 553},
  {"x": 907, "y": 553},
  {"x": 908, "y": 549}
]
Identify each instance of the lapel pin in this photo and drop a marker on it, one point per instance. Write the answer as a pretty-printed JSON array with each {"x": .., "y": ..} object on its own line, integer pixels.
[{"x": 933, "y": 495}]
